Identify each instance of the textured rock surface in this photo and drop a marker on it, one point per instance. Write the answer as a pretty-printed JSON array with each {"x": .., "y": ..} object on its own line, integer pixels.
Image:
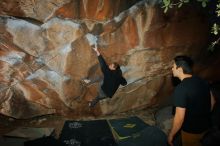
[
  {"x": 45, "y": 52},
  {"x": 164, "y": 118}
]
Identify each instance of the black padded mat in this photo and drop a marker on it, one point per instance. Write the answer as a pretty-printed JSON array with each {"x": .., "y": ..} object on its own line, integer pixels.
[{"x": 87, "y": 133}]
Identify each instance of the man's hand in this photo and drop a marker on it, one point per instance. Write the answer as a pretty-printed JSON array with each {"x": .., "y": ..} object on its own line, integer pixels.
[
  {"x": 170, "y": 140},
  {"x": 95, "y": 48}
]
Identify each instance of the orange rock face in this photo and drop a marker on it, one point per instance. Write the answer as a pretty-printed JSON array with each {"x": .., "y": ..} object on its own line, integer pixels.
[
  {"x": 100, "y": 10},
  {"x": 46, "y": 52}
]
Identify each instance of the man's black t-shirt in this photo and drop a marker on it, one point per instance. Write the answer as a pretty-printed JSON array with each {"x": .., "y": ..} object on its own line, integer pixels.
[
  {"x": 194, "y": 94},
  {"x": 112, "y": 79}
]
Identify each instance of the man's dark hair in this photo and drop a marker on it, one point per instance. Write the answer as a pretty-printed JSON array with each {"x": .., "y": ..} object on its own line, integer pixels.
[
  {"x": 117, "y": 69},
  {"x": 185, "y": 62},
  {"x": 116, "y": 65}
]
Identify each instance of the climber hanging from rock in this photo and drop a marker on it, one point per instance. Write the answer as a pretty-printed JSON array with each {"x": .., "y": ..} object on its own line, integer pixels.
[{"x": 112, "y": 79}]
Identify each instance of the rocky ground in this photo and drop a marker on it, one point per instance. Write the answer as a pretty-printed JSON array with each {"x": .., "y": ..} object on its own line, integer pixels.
[
  {"x": 8, "y": 124},
  {"x": 161, "y": 117}
]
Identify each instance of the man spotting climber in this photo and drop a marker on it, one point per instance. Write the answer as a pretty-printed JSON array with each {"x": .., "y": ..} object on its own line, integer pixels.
[
  {"x": 112, "y": 79},
  {"x": 193, "y": 101}
]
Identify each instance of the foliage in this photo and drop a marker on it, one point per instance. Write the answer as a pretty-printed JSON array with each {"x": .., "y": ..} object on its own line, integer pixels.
[
  {"x": 167, "y": 4},
  {"x": 170, "y": 4}
]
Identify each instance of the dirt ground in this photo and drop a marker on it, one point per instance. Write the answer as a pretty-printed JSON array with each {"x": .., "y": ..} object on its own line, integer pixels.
[{"x": 8, "y": 124}]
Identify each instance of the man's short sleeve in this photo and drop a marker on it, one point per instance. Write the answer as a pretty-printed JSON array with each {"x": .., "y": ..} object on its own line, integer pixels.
[{"x": 180, "y": 97}]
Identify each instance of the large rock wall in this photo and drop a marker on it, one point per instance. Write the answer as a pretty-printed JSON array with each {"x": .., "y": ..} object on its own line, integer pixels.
[{"x": 45, "y": 52}]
